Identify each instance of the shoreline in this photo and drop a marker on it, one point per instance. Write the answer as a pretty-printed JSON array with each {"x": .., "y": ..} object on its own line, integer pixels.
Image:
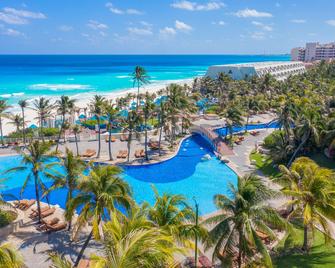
[{"x": 30, "y": 115}]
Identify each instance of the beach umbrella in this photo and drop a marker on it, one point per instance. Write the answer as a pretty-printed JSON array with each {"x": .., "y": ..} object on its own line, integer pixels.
[{"x": 33, "y": 126}]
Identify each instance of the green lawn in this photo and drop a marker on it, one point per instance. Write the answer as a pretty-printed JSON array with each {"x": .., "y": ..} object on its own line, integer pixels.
[
  {"x": 264, "y": 164},
  {"x": 320, "y": 255}
]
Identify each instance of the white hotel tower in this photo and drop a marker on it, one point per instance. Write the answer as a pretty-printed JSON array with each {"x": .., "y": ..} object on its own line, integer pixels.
[
  {"x": 314, "y": 52},
  {"x": 279, "y": 70}
]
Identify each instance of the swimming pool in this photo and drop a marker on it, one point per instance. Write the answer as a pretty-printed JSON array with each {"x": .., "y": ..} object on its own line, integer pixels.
[
  {"x": 224, "y": 131},
  {"x": 184, "y": 174}
]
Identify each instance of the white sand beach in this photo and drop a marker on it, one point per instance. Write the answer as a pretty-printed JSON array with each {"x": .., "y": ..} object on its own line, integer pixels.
[{"x": 83, "y": 99}]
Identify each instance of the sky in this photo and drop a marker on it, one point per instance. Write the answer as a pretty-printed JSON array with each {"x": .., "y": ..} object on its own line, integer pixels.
[{"x": 163, "y": 26}]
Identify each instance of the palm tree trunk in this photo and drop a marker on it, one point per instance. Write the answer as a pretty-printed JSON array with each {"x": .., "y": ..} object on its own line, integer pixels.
[
  {"x": 160, "y": 140},
  {"x": 81, "y": 253},
  {"x": 297, "y": 150},
  {"x": 138, "y": 95},
  {"x": 146, "y": 140},
  {"x": 239, "y": 258},
  {"x": 247, "y": 123},
  {"x": 305, "y": 244},
  {"x": 129, "y": 143},
  {"x": 37, "y": 194},
  {"x": 1, "y": 134},
  {"x": 41, "y": 129},
  {"x": 60, "y": 133},
  {"x": 23, "y": 128},
  {"x": 76, "y": 139},
  {"x": 67, "y": 202},
  {"x": 99, "y": 138},
  {"x": 110, "y": 143}
]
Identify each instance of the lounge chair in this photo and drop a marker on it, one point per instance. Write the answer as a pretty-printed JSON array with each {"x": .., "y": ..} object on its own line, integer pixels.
[
  {"x": 56, "y": 227},
  {"x": 137, "y": 154},
  {"x": 46, "y": 223},
  {"x": 142, "y": 153},
  {"x": 120, "y": 154},
  {"x": 84, "y": 264},
  {"x": 25, "y": 204},
  {"x": 34, "y": 212},
  {"x": 125, "y": 154},
  {"x": 20, "y": 203},
  {"x": 112, "y": 139},
  {"x": 48, "y": 212},
  {"x": 205, "y": 262},
  {"x": 89, "y": 153}
]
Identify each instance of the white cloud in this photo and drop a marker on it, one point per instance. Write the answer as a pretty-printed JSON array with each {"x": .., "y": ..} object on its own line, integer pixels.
[
  {"x": 263, "y": 26},
  {"x": 252, "y": 13},
  {"x": 95, "y": 25},
  {"x": 146, "y": 29},
  {"x": 24, "y": 13},
  {"x": 298, "y": 21},
  {"x": 18, "y": 16},
  {"x": 140, "y": 31},
  {"x": 167, "y": 31},
  {"x": 258, "y": 36},
  {"x": 132, "y": 11},
  {"x": 10, "y": 32},
  {"x": 193, "y": 6},
  {"x": 331, "y": 22},
  {"x": 65, "y": 28},
  {"x": 220, "y": 23},
  {"x": 129, "y": 11},
  {"x": 182, "y": 26}
]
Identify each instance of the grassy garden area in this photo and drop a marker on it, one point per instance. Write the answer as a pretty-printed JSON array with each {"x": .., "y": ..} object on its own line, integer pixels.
[
  {"x": 264, "y": 164},
  {"x": 291, "y": 256}
]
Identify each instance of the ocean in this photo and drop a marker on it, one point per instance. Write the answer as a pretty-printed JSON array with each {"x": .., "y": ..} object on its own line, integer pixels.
[{"x": 30, "y": 76}]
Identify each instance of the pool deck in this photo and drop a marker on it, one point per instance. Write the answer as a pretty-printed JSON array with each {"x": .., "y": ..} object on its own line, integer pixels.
[{"x": 35, "y": 245}]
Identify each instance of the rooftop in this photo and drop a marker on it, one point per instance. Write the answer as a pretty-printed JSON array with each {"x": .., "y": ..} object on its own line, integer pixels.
[{"x": 259, "y": 64}]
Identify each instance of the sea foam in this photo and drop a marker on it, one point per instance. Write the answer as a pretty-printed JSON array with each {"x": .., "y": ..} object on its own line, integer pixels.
[{"x": 57, "y": 87}]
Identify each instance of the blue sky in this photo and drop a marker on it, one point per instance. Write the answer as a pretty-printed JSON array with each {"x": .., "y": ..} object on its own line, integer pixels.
[{"x": 163, "y": 26}]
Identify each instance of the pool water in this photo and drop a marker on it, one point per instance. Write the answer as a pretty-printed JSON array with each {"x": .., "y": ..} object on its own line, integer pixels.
[
  {"x": 224, "y": 131},
  {"x": 184, "y": 174}
]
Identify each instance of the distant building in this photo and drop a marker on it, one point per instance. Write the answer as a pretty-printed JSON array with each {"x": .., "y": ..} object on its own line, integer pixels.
[
  {"x": 314, "y": 52},
  {"x": 279, "y": 70}
]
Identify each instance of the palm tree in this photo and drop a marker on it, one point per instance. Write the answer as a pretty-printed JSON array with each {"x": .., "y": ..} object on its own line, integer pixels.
[
  {"x": 36, "y": 158},
  {"x": 43, "y": 107},
  {"x": 15, "y": 120},
  {"x": 162, "y": 116},
  {"x": 76, "y": 131},
  {"x": 58, "y": 261},
  {"x": 233, "y": 118},
  {"x": 74, "y": 168},
  {"x": 312, "y": 190},
  {"x": 172, "y": 214},
  {"x": 241, "y": 217},
  {"x": 111, "y": 112},
  {"x": 133, "y": 241},
  {"x": 96, "y": 108},
  {"x": 10, "y": 257},
  {"x": 23, "y": 104},
  {"x": 252, "y": 106},
  {"x": 64, "y": 106},
  {"x": 100, "y": 192},
  {"x": 147, "y": 113},
  {"x": 3, "y": 113},
  {"x": 307, "y": 129},
  {"x": 140, "y": 77},
  {"x": 133, "y": 120}
]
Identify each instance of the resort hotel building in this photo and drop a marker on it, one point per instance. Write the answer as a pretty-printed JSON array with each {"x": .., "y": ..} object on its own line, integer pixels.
[
  {"x": 279, "y": 70},
  {"x": 314, "y": 52}
]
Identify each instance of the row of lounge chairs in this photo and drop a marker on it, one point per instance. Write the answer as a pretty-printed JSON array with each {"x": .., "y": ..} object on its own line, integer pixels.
[
  {"x": 122, "y": 154},
  {"x": 89, "y": 153},
  {"x": 239, "y": 140},
  {"x": 139, "y": 153},
  {"x": 113, "y": 139},
  {"x": 24, "y": 204},
  {"x": 254, "y": 133},
  {"x": 154, "y": 145}
]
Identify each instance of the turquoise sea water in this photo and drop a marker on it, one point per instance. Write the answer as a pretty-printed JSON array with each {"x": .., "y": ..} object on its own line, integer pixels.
[{"x": 29, "y": 76}]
